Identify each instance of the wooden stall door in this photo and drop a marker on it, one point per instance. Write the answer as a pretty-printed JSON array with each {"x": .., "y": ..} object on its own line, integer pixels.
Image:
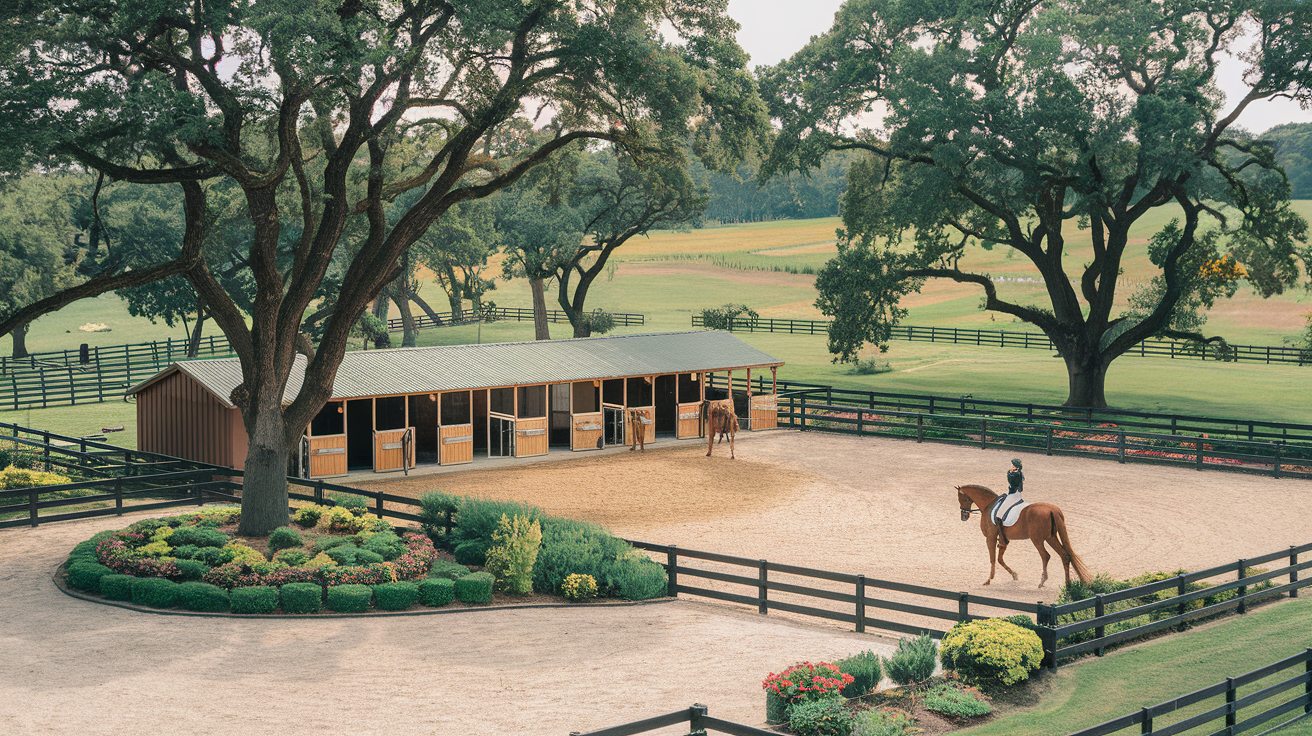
[
  {"x": 530, "y": 437},
  {"x": 585, "y": 431},
  {"x": 764, "y": 412},
  {"x": 328, "y": 456},
  {"x": 388, "y": 455},
  {"x": 615, "y": 424},
  {"x": 457, "y": 444},
  {"x": 689, "y": 421}
]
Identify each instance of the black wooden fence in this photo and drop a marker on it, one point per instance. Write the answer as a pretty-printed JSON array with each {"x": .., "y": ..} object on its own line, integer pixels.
[
  {"x": 1228, "y": 705},
  {"x": 56, "y": 452},
  {"x": 1033, "y": 341},
  {"x": 494, "y": 314},
  {"x": 696, "y": 717}
]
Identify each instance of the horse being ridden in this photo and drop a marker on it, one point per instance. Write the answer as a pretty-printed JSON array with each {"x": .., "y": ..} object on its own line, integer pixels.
[
  {"x": 719, "y": 417},
  {"x": 1042, "y": 523}
]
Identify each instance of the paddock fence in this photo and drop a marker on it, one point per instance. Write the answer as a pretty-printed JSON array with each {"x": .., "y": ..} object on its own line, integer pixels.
[
  {"x": 696, "y": 717},
  {"x": 1267, "y": 354},
  {"x": 496, "y": 314},
  {"x": 1274, "y": 448}
]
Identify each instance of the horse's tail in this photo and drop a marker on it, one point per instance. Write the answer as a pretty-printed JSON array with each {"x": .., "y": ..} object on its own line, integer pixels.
[{"x": 1059, "y": 529}]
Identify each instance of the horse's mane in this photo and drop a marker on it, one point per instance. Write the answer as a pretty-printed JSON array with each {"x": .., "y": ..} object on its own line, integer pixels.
[{"x": 978, "y": 487}]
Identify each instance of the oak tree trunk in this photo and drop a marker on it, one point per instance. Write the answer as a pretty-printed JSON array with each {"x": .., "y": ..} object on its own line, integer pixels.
[
  {"x": 1087, "y": 379},
  {"x": 193, "y": 345},
  {"x": 401, "y": 296},
  {"x": 540, "y": 329},
  {"x": 20, "y": 340},
  {"x": 264, "y": 485}
]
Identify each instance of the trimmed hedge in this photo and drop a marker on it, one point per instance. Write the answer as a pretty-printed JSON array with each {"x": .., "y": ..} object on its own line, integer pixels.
[
  {"x": 472, "y": 552},
  {"x": 475, "y": 587},
  {"x": 447, "y": 569},
  {"x": 254, "y": 599},
  {"x": 395, "y": 596},
  {"x": 198, "y": 536},
  {"x": 203, "y": 597},
  {"x": 437, "y": 591},
  {"x": 154, "y": 592},
  {"x": 86, "y": 575},
  {"x": 284, "y": 537},
  {"x": 349, "y": 598},
  {"x": 116, "y": 587},
  {"x": 302, "y": 597},
  {"x": 191, "y": 569},
  {"x": 991, "y": 652}
]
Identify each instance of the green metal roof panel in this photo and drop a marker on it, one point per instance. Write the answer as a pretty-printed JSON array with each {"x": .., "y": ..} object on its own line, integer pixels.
[{"x": 455, "y": 367}]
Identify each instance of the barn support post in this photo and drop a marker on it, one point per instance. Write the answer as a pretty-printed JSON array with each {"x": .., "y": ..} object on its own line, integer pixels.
[
  {"x": 1243, "y": 589},
  {"x": 1099, "y": 609},
  {"x": 672, "y": 571},
  {"x": 762, "y": 587},
  {"x": 860, "y": 604},
  {"x": 1293, "y": 574}
]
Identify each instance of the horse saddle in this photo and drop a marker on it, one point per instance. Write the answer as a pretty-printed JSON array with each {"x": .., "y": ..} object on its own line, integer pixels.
[{"x": 1006, "y": 510}]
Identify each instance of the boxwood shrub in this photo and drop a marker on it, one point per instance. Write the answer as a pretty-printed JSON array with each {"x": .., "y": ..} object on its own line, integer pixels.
[
  {"x": 991, "y": 652},
  {"x": 203, "y": 597},
  {"x": 473, "y": 552},
  {"x": 302, "y": 597},
  {"x": 198, "y": 536},
  {"x": 865, "y": 670},
  {"x": 154, "y": 592},
  {"x": 254, "y": 599},
  {"x": 349, "y": 598},
  {"x": 191, "y": 569},
  {"x": 447, "y": 569},
  {"x": 117, "y": 587},
  {"x": 86, "y": 575},
  {"x": 395, "y": 596},
  {"x": 284, "y": 537},
  {"x": 475, "y": 587},
  {"x": 437, "y": 591}
]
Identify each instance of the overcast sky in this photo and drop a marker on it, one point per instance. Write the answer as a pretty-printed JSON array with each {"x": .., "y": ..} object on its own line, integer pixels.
[{"x": 774, "y": 29}]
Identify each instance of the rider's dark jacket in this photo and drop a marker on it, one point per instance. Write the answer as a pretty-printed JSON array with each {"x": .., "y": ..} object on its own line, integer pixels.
[{"x": 1015, "y": 481}]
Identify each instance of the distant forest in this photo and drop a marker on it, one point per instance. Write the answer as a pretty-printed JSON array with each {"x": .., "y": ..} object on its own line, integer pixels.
[
  {"x": 742, "y": 198},
  {"x": 1294, "y": 152}
]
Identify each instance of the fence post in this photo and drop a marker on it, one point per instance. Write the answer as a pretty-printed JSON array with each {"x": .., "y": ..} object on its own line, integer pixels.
[
  {"x": 318, "y": 494},
  {"x": 860, "y": 422},
  {"x": 1229, "y": 704},
  {"x": 1243, "y": 589},
  {"x": 1293, "y": 574},
  {"x": 1146, "y": 724},
  {"x": 1181, "y": 587},
  {"x": 118, "y": 496},
  {"x": 1275, "y": 468},
  {"x": 920, "y": 428},
  {"x": 45, "y": 449},
  {"x": 1198, "y": 447},
  {"x": 1120, "y": 446},
  {"x": 803, "y": 412},
  {"x": 963, "y": 606},
  {"x": 983, "y": 432},
  {"x": 31, "y": 506},
  {"x": 860, "y": 604},
  {"x": 380, "y": 500},
  {"x": 762, "y": 606},
  {"x": 672, "y": 571},
  {"x": 195, "y": 488},
  {"x": 1098, "y": 610},
  {"x": 695, "y": 714},
  {"x": 1049, "y": 439},
  {"x": 1047, "y": 623},
  {"x": 1307, "y": 689}
]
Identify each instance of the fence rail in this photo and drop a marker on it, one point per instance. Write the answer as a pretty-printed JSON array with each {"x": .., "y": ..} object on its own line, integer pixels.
[
  {"x": 1032, "y": 340},
  {"x": 494, "y": 314},
  {"x": 696, "y": 717}
]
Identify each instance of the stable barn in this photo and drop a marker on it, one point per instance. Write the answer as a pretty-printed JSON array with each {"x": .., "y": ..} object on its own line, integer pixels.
[{"x": 393, "y": 409}]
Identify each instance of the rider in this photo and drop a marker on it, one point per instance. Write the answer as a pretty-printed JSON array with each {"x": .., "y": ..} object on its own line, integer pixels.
[{"x": 1015, "y": 485}]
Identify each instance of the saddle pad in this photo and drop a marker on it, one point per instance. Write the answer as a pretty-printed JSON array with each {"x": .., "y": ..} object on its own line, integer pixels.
[{"x": 1009, "y": 515}]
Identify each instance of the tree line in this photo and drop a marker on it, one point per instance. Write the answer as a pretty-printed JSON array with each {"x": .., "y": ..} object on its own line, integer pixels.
[{"x": 291, "y": 164}]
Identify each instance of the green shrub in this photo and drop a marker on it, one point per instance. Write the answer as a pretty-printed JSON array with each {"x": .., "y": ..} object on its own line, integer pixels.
[
  {"x": 825, "y": 717},
  {"x": 447, "y": 569},
  {"x": 293, "y": 557},
  {"x": 344, "y": 554},
  {"x": 254, "y": 599},
  {"x": 203, "y": 597},
  {"x": 954, "y": 703},
  {"x": 776, "y": 709},
  {"x": 86, "y": 575},
  {"x": 349, "y": 598},
  {"x": 865, "y": 670},
  {"x": 154, "y": 592},
  {"x": 475, "y": 587},
  {"x": 473, "y": 552},
  {"x": 395, "y": 596},
  {"x": 191, "y": 569},
  {"x": 306, "y": 517},
  {"x": 913, "y": 662},
  {"x": 325, "y": 543},
  {"x": 357, "y": 505},
  {"x": 386, "y": 545},
  {"x": 889, "y": 722},
  {"x": 301, "y": 597},
  {"x": 478, "y": 518},
  {"x": 434, "y": 508},
  {"x": 992, "y": 652},
  {"x": 572, "y": 547},
  {"x": 515, "y": 549},
  {"x": 214, "y": 556},
  {"x": 367, "y": 557},
  {"x": 436, "y": 591},
  {"x": 84, "y": 549},
  {"x": 198, "y": 537},
  {"x": 284, "y": 537},
  {"x": 636, "y": 577},
  {"x": 186, "y": 551},
  {"x": 1021, "y": 620},
  {"x": 116, "y": 587}
]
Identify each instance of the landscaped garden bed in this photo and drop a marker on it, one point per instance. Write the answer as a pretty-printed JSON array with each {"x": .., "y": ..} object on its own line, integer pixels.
[{"x": 340, "y": 559}]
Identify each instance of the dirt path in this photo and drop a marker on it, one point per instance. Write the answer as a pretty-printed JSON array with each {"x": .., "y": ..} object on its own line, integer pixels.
[
  {"x": 77, "y": 667},
  {"x": 888, "y": 508}
]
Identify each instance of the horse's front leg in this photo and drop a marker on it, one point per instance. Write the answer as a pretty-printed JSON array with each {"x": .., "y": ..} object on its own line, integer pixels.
[
  {"x": 731, "y": 435},
  {"x": 1002, "y": 550}
]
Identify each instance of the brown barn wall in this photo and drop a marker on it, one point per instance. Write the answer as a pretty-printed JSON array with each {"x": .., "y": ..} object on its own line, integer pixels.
[{"x": 178, "y": 417}]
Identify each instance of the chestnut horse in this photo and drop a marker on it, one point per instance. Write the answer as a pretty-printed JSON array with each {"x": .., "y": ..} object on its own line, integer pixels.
[
  {"x": 719, "y": 418},
  {"x": 1040, "y": 522}
]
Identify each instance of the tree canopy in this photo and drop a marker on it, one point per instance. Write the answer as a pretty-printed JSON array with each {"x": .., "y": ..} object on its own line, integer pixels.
[
  {"x": 1017, "y": 123},
  {"x": 320, "y": 114}
]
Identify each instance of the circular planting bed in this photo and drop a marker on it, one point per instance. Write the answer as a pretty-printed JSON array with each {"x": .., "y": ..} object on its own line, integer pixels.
[{"x": 335, "y": 560}]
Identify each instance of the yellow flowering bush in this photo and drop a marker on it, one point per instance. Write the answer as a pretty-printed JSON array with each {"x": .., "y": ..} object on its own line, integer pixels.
[
  {"x": 319, "y": 560},
  {"x": 307, "y": 517},
  {"x": 578, "y": 587},
  {"x": 13, "y": 479},
  {"x": 158, "y": 548},
  {"x": 245, "y": 554},
  {"x": 991, "y": 651}
]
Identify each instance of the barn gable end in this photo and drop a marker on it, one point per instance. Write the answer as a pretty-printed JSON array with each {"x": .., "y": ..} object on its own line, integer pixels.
[{"x": 177, "y": 416}]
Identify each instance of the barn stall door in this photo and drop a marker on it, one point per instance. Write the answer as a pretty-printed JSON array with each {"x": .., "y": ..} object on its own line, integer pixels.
[
  {"x": 765, "y": 412},
  {"x": 456, "y": 430},
  {"x": 326, "y": 443},
  {"x": 394, "y": 449},
  {"x": 585, "y": 416},
  {"x": 690, "y": 404},
  {"x": 531, "y": 436},
  {"x": 641, "y": 396}
]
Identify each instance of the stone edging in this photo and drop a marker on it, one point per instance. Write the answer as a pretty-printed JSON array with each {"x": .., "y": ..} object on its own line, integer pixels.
[{"x": 60, "y": 583}]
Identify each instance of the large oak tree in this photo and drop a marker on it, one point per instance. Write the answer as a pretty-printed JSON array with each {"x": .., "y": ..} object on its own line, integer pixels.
[
  {"x": 312, "y": 102},
  {"x": 1016, "y": 122}
]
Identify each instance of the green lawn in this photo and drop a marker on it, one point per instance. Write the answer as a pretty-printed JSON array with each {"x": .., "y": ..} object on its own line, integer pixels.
[{"x": 1100, "y": 689}]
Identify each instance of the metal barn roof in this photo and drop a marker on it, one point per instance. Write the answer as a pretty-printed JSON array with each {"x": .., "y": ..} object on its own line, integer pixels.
[{"x": 455, "y": 367}]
